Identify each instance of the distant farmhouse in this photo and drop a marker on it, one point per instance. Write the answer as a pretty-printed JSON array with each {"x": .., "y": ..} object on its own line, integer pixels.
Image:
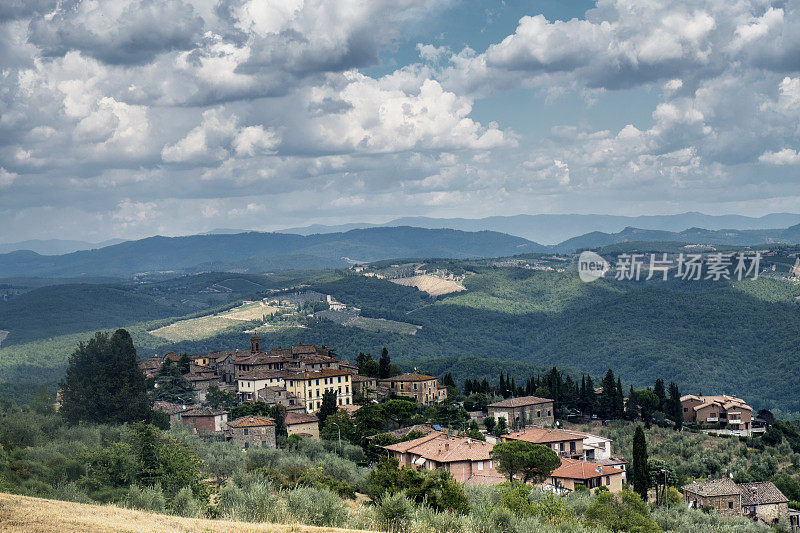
[
  {"x": 523, "y": 412},
  {"x": 759, "y": 501}
]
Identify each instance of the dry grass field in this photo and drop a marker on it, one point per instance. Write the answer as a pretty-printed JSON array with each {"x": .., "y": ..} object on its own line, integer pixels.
[
  {"x": 433, "y": 285},
  {"x": 208, "y": 326},
  {"x": 24, "y": 514}
]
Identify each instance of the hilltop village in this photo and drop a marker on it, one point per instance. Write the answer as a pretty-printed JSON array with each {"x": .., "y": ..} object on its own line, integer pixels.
[{"x": 260, "y": 397}]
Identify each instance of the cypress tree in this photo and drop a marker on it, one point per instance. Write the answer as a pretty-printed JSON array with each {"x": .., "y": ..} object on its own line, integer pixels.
[
  {"x": 608, "y": 398},
  {"x": 384, "y": 364},
  {"x": 103, "y": 383},
  {"x": 484, "y": 385},
  {"x": 620, "y": 408},
  {"x": 658, "y": 390},
  {"x": 641, "y": 474},
  {"x": 675, "y": 408}
]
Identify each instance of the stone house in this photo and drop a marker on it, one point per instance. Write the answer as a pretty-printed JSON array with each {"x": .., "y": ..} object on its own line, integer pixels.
[
  {"x": 302, "y": 423},
  {"x": 722, "y": 495},
  {"x": 252, "y": 431},
  {"x": 763, "y": 501},
  {"x": 524, "y": 411},
  {"x": 422, "y": 388},
  {"x": 365, "y": 386},
  {"x": 203, "y": 420}
]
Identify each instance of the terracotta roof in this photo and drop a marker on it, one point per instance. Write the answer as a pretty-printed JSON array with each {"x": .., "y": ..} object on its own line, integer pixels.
[
  {"x": 299, "y": 418},
  {"x": 324, "y": 373},
  {"x": 715, "y": 487},
  {"x": 425, "y": 429},
  {"x": 202, "y": 411},
  {"x": 411, "y": 376},
  {"x": 251, "y": 422},
  {"x": 521, "y": 401},
  {"x": 442, "y": 448},
  {"x": 765, "y": 493},
  {"x": 203, "y": 376},
  {"x": 543, "y": 435},
  {"x": 361, "y": 379},
  {"x": 574, "y": 469},
  {"x": 349, "y": 408},
  {"x": 263, "y": 374}
]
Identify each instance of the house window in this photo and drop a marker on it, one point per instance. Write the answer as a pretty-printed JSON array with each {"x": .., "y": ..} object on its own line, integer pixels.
[
  {"x": 608, "y": 480},
  {"x": 538, "y": 414},
  {"x": 730, "y": 505},
  {"x": 246, "y": 431},
  {"x": 246, "y": 445},
  {"x": 480, "y": 465},
  {"x": 549, "y": 413}
]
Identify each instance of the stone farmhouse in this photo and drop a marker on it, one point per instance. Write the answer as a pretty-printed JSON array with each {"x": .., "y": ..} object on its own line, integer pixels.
[
  {"x": 252, "y": 431},
  {"x": 759, "y": 501},
  {"x": 422, "y": 388},
  {"x": 524, "y": 411}
]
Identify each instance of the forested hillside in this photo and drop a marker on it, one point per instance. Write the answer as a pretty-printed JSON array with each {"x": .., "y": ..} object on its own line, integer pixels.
[{"x": 736, "y": 338}]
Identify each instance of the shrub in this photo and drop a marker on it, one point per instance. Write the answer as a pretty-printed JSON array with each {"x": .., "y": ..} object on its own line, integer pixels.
[
  {"x": 255, "y": 503},
  {"x": 394, "y": 511},
  {"x": 146, "y": 498},
  {"x": 185, "y": 504},
  {"x": 319, "y": 507}
]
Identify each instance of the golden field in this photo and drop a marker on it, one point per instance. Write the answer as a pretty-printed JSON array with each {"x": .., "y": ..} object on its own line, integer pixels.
[{"x": 25, "y": 514}]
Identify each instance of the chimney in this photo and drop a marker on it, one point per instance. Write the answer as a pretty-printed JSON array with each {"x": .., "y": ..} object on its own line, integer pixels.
[
  {"x": 446, "y": 445},
  {"x": 251, "y": 418}
]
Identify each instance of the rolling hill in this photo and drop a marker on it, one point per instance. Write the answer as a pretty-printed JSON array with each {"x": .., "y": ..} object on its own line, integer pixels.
[
  {"x": 552, "y": 229},
  {"x": 259, "y": 251},
  {"x": 708, "y": 337}
]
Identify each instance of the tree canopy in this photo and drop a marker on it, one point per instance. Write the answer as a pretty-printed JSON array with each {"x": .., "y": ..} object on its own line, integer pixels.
[
  {"x": 103, "y": 383},
  {"x": 531, "y": 462}
]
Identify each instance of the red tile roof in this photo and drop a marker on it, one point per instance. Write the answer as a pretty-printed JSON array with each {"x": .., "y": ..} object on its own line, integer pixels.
[
  {"x": 251, "y": 422},
  {"x": 442, "y": 448},
  {"x": 411, "y": 376},
  {"x": 543, "y": 435},
  {"x": 521, "y": 401},
  {"x": 299, "y": 418},
  {"x": 574, "y": 469},
  {"x": 324, "y": 373}
]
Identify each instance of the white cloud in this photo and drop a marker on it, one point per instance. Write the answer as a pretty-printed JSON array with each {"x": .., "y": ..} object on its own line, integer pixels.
[
  {"x": 218, "y": 137},
  {"x": 6, "y": 177},
  {"x": 787, "y": 156}
]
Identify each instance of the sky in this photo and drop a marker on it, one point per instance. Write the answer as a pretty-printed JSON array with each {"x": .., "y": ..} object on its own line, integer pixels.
[{"x": 130, "y": 118}]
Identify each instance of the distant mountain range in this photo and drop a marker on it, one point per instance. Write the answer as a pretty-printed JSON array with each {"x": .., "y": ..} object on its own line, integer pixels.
[
  {"x": 55, "y": 246},
  {"x": 728, "y": 237},
  {"x": 553, "y": 229},
  {"x": 264, "y": 252}
]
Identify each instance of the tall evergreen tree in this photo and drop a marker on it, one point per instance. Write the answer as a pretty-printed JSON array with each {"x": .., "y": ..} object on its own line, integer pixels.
[
  {"x": 591, "y": 397},
  {"x": 327, "y": 408},
  {"x": 172, "y": 385},
  {"x": 103, "y": 383},
  {"x": 675, "y": 408},
  {"x": 485, "y": 385},
  {"x": 620, "y": 410},
  {"x": 608, "y": 398},
  {"x": 641, "y": 474},
  {"x": 661, "y": 394},
  {"x": 384, "y": 364}
]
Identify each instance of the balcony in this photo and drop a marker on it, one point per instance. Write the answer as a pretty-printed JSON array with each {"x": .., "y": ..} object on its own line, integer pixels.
[
  {"x": 712, "y": 419},
  {"x": 735, "y": 421}
]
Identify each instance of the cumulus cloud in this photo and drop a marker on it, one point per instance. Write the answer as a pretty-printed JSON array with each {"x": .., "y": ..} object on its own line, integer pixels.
[
  {"x": 176, "y": 111},
  {"x": 787, "y": 156}
]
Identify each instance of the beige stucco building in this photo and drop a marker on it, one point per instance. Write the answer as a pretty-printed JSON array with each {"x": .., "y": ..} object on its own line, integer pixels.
[{"x": 309, "y": 387}]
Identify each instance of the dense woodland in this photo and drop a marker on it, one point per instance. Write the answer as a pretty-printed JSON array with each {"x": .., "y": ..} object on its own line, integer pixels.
[{"x": 734, "y": 338}]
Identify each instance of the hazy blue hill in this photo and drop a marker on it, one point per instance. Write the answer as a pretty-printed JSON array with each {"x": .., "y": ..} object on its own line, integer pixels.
[
  {"x": 216, "y": 251},
  {"x": 55, "y": 246},
  {"x": 552, "y": 229}
]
